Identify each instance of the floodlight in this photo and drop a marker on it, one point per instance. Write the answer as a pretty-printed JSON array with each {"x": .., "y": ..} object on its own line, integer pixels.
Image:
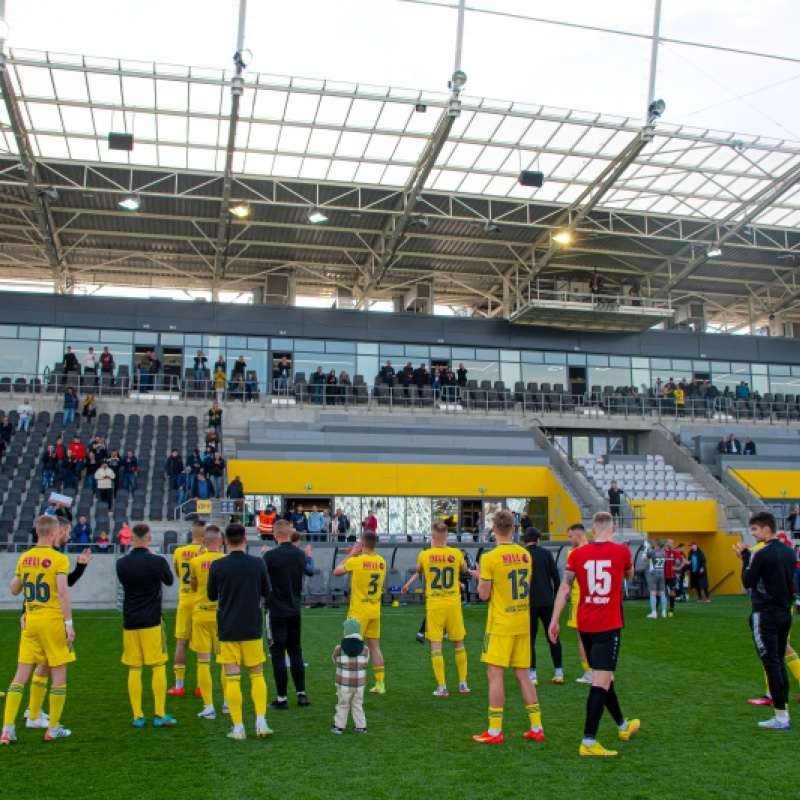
[
  {"x": 562, "y": 237},
  {"x": 657, "y": 108},
  {"x": 715, "y": 251},
  {"x": 420, "y": 223},
  {"x": 50, "y": 193},
  {"x": 420, "y": 108},
  {"x": 490, "y": 227},
  {"x": 317, "y": 217},
  {"x": 240, "y": 209},
  {"x": 459, "y": 79},
  {"x": 131, "y": 202}
]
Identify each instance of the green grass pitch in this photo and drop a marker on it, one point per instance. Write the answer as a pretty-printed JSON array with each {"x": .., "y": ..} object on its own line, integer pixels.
[{"x": 686, "y": 678}]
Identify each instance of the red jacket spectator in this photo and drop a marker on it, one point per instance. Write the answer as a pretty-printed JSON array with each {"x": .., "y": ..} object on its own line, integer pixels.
[
  {"x": 77, "y": 450},
  {"x": 370, "y": 523}
]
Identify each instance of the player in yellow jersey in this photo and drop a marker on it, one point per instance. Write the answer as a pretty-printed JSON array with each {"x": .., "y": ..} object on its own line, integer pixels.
[
  {"x": 577, "y": 538},
  {"x": 186, "y": 599},
  {"x": 204, "y": 619},
  {"x": 48, "y": 635},
  {"x": 442, "y": 568},
  {"x": 367, "y": 574},
  {"x": 505, "y": 575}
]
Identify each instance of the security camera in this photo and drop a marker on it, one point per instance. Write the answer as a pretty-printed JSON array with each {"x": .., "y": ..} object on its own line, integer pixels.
[{"x": 771, "y": 317}]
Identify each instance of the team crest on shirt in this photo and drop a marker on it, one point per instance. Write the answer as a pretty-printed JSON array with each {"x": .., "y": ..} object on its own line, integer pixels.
[
  {"x": 46, "y": 562},
  {"x": 451, "y": 559},
  {"x": 525, "y": 559}
]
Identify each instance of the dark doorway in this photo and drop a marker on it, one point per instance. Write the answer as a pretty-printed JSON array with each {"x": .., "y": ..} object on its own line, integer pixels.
[
  {"x": 577, "y": 381},
  {"x": 702, "y": 376},
  {"x": 171, "y": 363},
  {"x": 470, "y": 515},
  {"x": 282, "y": 384},
  {"x": 322, "y": 503},
  {"x": 538, "y": 511}
]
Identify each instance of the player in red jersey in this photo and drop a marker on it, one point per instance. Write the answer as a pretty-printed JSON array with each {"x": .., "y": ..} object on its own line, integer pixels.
[
  {"x": 671, "y": 560},
  {"x": 599, "y": 568}
]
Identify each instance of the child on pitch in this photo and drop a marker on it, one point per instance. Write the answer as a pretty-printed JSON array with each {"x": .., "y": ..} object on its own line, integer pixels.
[{"x": 351, "y": 657}]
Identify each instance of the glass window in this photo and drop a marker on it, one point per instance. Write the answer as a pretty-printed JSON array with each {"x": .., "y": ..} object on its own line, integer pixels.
[
  {"x": 641, "y": 379},
  {"x": 415, "y": 351},
  {"x": 308, "y": 363},
  {"x": 540, "y": 373},
  {"x": 121, "y": 337},
  {"x": 52, "y": 334},
  {"x": 283, "y": 345},
  {"x": 580, "y": 445},
  {"x": 784, "y": 385},
  {"x": 608, "y": 376},
  {"x": 418, "y": 515},
  {"x": 615, "y": 445},
  {"x": 253, "y": 342},
  {"x": 440, "y": 352},
  {"x": 368, "y": 368},
  {"x": 236, "y": 342},
  {"x": 720, "y": 367},
  {"x": 622, "y": 362},
  {"x": 255, "y": 361},
  {"x": 460, "y": 353},
  {"x": 392, "y": 351},
  {"x": 340, "y": 347},
  {"x": 310, "y": 345},
  {"x": 18, "y": 358},
  {"x": 482, "y": 371},
  {"x": 761, "y": 369},
  {"x": 599, "y": 445},
  {"x": 379, "y": 507},
  {"x": 663, "y": 364},
  {"x": 352, "y": 508},
  {"x": 779, "y": 369},
  {"x": 680, "y": 365},
  {"x": 760, "y": 384},
  {"x": 555, "y": 358},
  {"x": 8, "y": 331},
  {"x": 50, "y": 354},
  {"x": 367, "y": 348},
  {"x": 445, "y": 509},
  {"x": 576, "y": 359},
  {"x": 795, "y": 370},
  {"x": 597, "y": 361},
  {"x": 172, "y": 339},
  {"x": 28, "y": 332},
  {"x": 397, "y": 515},
  {"x": 640, "y": 363},
  {"x": 196, "y": 341},
  {"x": 510, "y": 373},
  {"x": 80, "y": 334},
  {"x": 143, "y": 338},
  {"x": 217, "y": 342},
  {"x": 487, "y": 355},
  {"x": 509, "y": 355},
  {"x": 529, "y": 357}
]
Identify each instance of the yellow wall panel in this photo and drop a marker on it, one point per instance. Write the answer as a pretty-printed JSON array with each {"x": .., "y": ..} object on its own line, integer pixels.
[
  {"x": 724, "y": 568},
  {"x": 669, "y": 516},
  {"x": 770, "y": 483}
]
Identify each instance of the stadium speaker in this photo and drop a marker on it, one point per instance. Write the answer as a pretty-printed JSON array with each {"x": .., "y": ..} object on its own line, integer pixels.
[
  {"x": 120, "y": 141},
  {"x": 527, "y": 178}
]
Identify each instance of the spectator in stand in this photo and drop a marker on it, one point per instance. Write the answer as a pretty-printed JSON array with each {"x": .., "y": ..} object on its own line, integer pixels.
[
  {"x": 104, "y": 478},
  {"x": 89, "y": 409},
  {"x": 436, "y": 380},
  {"x": 250, "y": 386},
  {"x": 107, "y": 362},
  {"x": 184, "y": 485},
  {"x": 6, "y": 429},
  {"x": 387, "y": 373},
  {"x": 2, "y": 448},
  {"x": 69, "y": 471},
  {"x": 215, "y": 419},
  {"x": 49, "y": 466},
  {"x": 749, "y": 448},
  {"x": 173, "y": 468},
  {"x": 219, "y": 384},
  {"x": 299, "y": 521},
  {"x": 103, "y": 542},
  {"x": 316, "y": 525},
  {"x": 82, "y": 532},
  {"x": 793, "y": 524},
  {"x": 70, "y": 361},
  {"x": 25, "y": 412},
  {"x": 78, "y": 451},
  {"x": 331, "y": 389},
  {"x": 90, "y": 363},
  {"x": 449, "y": 382},
  {"x": 238, "y": 388},
  {"x": 327, "y": 523},
  {"x": 319, "y": 386},
  {"x": 340, "y": 525},
  {"x": 461, "y": 378},
  {"x": 407, "y": 376},
  {"x": 370, "y": 522},
  {"x": 98, "y": 447},
  {"x": 742, "y": 391},
  {"x": 283, "y": 374},
  {"x": 596, "y": 285},
  {"x": 70, "y": 406},
  {"x": 239, "y": 368},
  {"x": 216, "y": 473},
  {"x": 733, "y": 445},
  {"x": 614, "y": 501},
  {"x": 722, "y": 445},
  {"x": 154, "y": 370},
  {"x": 195, "y": 463},
  {"x": 699, "y": 573},
  {"x": 208, "y": 458},
  {"x": 345, "y": 388},
  {"x": 421, "y": 377},
  {"x": 202, "y": 488},
  {"x": 633, "y": 293},
  {"x": 91, "y": 468},
  {"x": 130, "y": 469},
  {"x": 124, "y": 537},
  {"x": 114, "y": 463},
  {"x": 235, "y": 491},
  {"x": 200, "y": 366}
]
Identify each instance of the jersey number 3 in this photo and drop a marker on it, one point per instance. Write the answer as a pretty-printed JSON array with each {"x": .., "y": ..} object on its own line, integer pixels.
[
  {"x": 598, "y": 577},
  {"x": 373, "y": 583}
]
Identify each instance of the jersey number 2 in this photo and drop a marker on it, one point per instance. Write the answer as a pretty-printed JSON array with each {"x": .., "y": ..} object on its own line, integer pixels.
[
  {"x": 187, "y": 573},
  {"x": 598, "y": 577}
]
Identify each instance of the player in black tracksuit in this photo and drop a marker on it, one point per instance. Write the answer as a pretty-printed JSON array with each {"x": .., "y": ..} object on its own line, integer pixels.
[
  {"x": 544, "y": 585},
  {"x": 769, "y": 575}
]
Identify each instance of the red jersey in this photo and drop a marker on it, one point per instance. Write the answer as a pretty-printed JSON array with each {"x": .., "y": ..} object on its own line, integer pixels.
[
  {"x": 671, "y": 558},
  {"x": 600, "y": 568}
]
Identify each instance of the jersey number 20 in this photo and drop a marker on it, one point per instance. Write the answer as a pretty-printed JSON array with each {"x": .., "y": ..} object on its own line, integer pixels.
[{"x": 442, "y": 578}]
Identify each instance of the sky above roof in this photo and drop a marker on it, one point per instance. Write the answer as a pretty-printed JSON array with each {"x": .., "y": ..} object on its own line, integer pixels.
[{"x": 412, "y": 44}]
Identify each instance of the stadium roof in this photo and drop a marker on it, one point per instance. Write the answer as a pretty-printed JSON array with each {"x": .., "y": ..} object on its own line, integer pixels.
[{"x": 412, "y": 194}]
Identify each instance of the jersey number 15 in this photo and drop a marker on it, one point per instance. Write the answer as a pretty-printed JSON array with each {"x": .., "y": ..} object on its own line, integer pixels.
[{"x": 598, "y": 577}]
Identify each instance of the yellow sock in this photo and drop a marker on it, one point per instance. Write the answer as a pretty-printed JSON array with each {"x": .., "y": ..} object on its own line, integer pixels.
[
  {"x": 437, "y": 662},
  {"x": 58, "y": 696},
  {"x": 495, "y": 720},
  {"x": 461, "y": 664},
  {"x": 380, "y": 674},
  {"x": 180, "y": 672},
  {"x": 224, "y": 681},
  {"x": 793, "y": 665},
  {"x": 535, "y": 715},
  {"x": 135, "y": 691},
  {"x": 204, "y": 679},
  {"x": 585, "y": 666},
  {"x": 258, "y": 692},
  {"x": 13, "y": 700},
  {"x": 159, "y": 685},
  {"x": 766, "y": 683},
  {"x": 38, "y": 692},
  {"x": 234, "y": 683}
]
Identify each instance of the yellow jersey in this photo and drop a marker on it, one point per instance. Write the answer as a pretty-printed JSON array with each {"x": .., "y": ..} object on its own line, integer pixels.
[
  {"x": 199, "y": 568},
  {"x": 442, "y": 567},
  {"x": 575, "y": 591},
  {"x": 37, "y": 568},
  {"x": 367, "y": 574},
  {"x": 508, "y": 568},
  {"x": 182, "y": 557}
]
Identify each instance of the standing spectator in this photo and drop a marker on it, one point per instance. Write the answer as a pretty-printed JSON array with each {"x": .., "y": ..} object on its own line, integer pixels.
[
  {"x": 793, "y": 520},
  {"x": 70, "y": 361},
  {"x": 69, "y": 472},
  {"x": 544, "y": 587},
  {"x": 6, "y": 429},
  {"x": 200, "y": 365},
  {"x": 70, "y": 406},
  {"x": 733, "y": 445},
  {"x": 235, "y": 491},
  {"x": 78, "y": 451},
  {"x": 90, "y": 363},
  {"x": 174, "y": 468},
  {"x": 769, "y": 575},
  {"x": 345, "y": 388},
  {"x": 331, "y": 388},
  {"x": 351, "y": 657},
  {"x": 195, "y": 463},
  {"x": 202, "y": 488},
  {"x": 219, "y": 384},
  {"x": 184, "y": 485},
  {"x": 250, "y": 386},
  {"x": 89, "y": 409},
  {"x": 699, "y": 573},
  {"x": 596, "y": 285},
  {"x": 104, "y": 478},
  {"x": 216, "y": 473},
  {"x": 215, "y": 419},
  {"x": 99, "y": 448},
  {"x": 341, "y": 525},
  {"x": 523, "y": 525},
  {"x": 421, "y": 376},
  {"x": 25, "y": 412},
  {"x": 319, "y": 386},
  {"x": 614, "y": 501},
  {"x": 239, "y": 387},
  {"x": 370, "y": 522},
  {"x": 407, "y": 376},
  {"x": 722, "y": 445},
  {"x": 154, "y": 370},
  {"x": 284, "y": 373},
  {"x": 82, "y": 532},
  {"x": 449, "y": 382},
  {"x": 107, "y": 362},
  {"x": 49, "y": 466},
  {"x": 91, "y": 468},
  {"x": 286, "y": 566},
  {"x": 436, "y": 381},
  {"x": 316, "y": 525},
  {"x": 124, "y": 536},
  {"x": 114, "y": 463},
  {"x": 299, "y": 521},
  {"x": 208, "y": 458},
  {"x": 326, "y": 523},
  {"x": 130, "y": 469},
  {"x": 239, "y": 367},
  {"x": 749, "y": 448},
  {"x": 388, "y": 374},
  {"x": 461, "y": 377},
  {"x": 267, "y": 518}
]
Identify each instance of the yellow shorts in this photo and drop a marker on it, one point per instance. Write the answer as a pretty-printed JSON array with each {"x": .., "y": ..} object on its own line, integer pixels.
[
  {"x": 204, "y": 633},
  {"x": 183, "y": 619},
  {"x": 146, "y": 647},
  {"x": 445, "y": 618},
  {"x": 44, "y": 641},
  {"x": 370, "y": 626},
  {"x": 507, "y": 650},
  {"x": 572, "y": 622},
  {"x": 250, "y": 652}
]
